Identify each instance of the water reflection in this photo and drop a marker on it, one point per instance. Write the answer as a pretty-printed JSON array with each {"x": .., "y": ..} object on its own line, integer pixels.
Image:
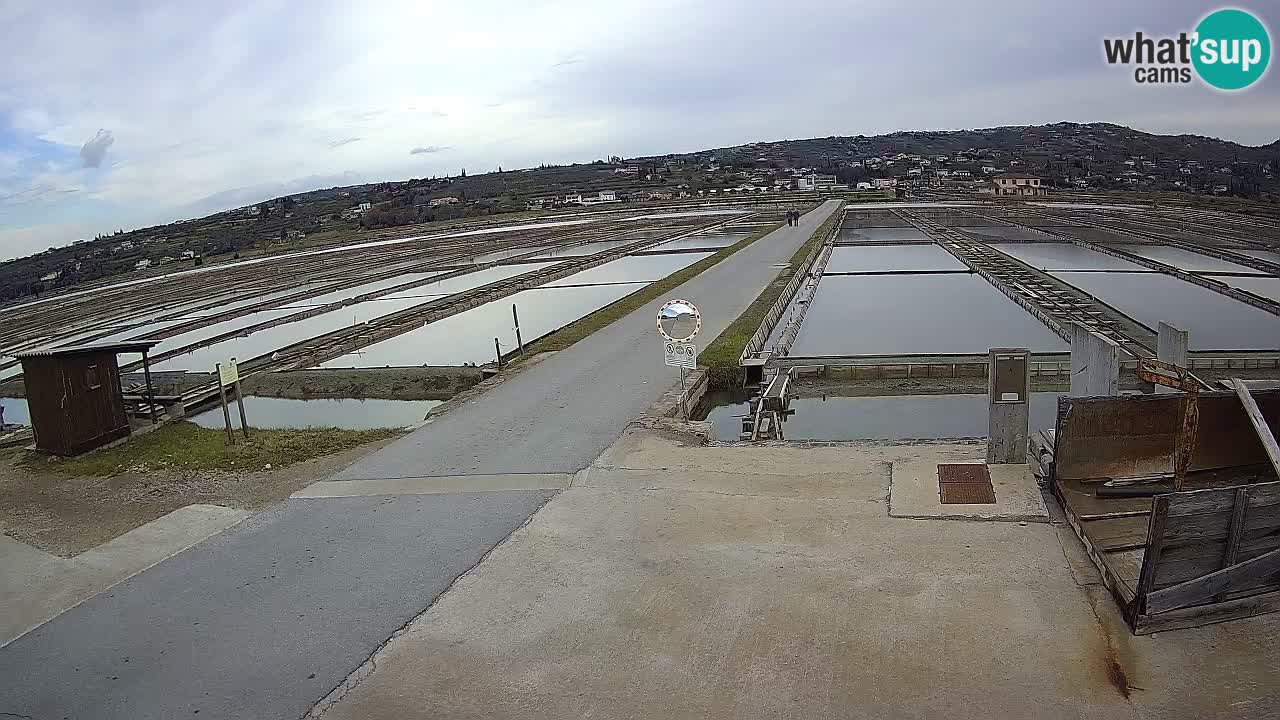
[
  {"x": 1065, "y": 256},
  {"x": 468, "y": 336},
  {"x": 892, "y": 257},
  {"x": 352, "y": 414},
  {"x": 265, "y": 341},
  {"x": 1185, "y": 259},
  {"x": 892, "y": 417},
  {"x": 15, "y": 411},
  {"x": 880, "y": 234},
  {"x": 1215, "y": 321},
  {"x": 904, "y": 314}
]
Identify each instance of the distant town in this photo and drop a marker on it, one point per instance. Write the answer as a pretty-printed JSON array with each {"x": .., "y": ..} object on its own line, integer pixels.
[{"x": 1007, "y": 162}]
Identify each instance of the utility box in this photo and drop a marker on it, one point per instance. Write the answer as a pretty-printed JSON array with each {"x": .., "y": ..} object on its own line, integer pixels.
[{"x": 1009, "y": 407}]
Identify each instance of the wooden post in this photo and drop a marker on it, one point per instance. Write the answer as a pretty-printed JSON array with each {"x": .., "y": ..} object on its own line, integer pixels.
[
  {"x": 497, "y": 350},
  {"x": 684, "y": 407},
  {"x": 516, "y": 317},
  {"x": 226, "y": 413},
  {"x": 151, "y": 393},
  {"x": 1234, "y": 531},
  {"x": 1259, "y": 422},
  {"x": 244, "y": 423},
  {"x": 1150, "y": 558}
]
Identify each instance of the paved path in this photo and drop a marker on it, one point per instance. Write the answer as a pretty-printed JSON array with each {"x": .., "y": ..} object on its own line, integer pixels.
[
  {"x": 558, "y": 416},
  {"x": 264, "y": 620}
]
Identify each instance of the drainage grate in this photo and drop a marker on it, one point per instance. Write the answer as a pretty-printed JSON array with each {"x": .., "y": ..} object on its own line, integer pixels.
[{"x": 965, "y": 485}]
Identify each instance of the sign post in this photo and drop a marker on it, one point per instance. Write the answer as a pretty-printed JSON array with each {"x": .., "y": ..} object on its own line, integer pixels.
[
  {"x": 222, "y": 397},
  {"x": 679, "y": 321},
  {"x": 229, "y": 376},
  {"x": 244, "y": 422}
]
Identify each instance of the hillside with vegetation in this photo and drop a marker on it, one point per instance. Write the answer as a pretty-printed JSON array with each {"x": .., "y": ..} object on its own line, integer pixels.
[{"x": 1086, "y": 157}]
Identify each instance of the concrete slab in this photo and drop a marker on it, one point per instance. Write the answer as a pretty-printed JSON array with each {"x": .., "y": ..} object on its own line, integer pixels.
[
  {"x": 161, "y": 538},
  {"x": 433, "y": 485},
  {"x": 685, "y": 591},
  {"x": 675, "y": 581},
  {"x": 39, "y": 586},
  {"x": 913, "y": 491}
]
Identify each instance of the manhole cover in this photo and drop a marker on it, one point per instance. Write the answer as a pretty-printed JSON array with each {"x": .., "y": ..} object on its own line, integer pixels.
[{"x": 965, "y": 485}]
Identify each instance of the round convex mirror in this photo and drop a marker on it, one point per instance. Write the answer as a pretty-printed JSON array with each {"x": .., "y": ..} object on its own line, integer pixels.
[{"x": 679, "y": 320}]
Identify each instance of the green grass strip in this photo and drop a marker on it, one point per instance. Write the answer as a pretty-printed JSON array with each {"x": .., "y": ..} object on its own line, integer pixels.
[
  {"x": 722, "y": 355},
  {"x": 605, "y": 316},
  {"x": 187, "y": 446}
]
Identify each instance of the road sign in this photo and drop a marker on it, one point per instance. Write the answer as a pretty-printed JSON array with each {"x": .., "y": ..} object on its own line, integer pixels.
[
  {"x": 679, "y": 321},
  {"x": 680, "y": 354},
  {"x": 229, "y": 372}
]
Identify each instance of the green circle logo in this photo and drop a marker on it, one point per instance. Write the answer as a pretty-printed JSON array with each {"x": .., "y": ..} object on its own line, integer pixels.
[{"x": 1232, "y": 49}]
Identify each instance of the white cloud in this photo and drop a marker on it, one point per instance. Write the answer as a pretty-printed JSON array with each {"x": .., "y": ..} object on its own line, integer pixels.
[
  {"x": 211, "y": 102},
  {"x": 95, "y": 149}
]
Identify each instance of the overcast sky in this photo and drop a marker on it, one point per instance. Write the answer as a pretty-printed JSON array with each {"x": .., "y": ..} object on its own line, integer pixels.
[{"x": 132, "y": 112}]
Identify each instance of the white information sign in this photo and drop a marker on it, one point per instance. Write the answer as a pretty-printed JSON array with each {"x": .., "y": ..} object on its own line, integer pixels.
[
  {"x": 228, "y": 372},
  {"x": 681, "y": 354}
]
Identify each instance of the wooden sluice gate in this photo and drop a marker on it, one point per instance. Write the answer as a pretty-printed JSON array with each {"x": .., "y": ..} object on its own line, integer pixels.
[{"x": 1179, "y": 509}]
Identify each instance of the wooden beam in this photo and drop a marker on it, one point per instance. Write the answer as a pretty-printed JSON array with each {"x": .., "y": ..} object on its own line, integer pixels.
[
  {"x": 1198, "y": 615},
  {"x": 1237, "y": 528},
  {"x": 1259, "y": 423},
  {"x": 1203, "y": 588},
  {"x": 1234, "y": 531},
  {"x": 1150, "y": 558}
]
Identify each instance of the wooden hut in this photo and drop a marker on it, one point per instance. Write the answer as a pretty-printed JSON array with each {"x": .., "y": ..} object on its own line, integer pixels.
[{"x": 74, "y": 395}]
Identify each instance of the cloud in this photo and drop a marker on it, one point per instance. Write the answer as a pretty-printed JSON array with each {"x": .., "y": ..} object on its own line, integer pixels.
[
  {"x": 232, "y": 112},
  {"x": 93, "y": 151}
]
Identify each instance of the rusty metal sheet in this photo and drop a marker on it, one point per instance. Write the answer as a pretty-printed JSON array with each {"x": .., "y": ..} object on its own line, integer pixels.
[
  {"x": 1125, "y": 436},
  {"x": 965, "y": 484},
  {"x": 967, "y": 493},
  {"x": 963, "y": 473}
]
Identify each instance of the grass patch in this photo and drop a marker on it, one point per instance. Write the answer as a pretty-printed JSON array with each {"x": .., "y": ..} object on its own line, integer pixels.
[
  {"x": 721, "y": 355},
  {"x": 187, "y": 446},
  {"x": 605, "y": 316}
]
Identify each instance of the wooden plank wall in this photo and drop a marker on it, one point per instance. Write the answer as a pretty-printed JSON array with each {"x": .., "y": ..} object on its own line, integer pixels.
[
  {"x": 1110, "y": 437},
  {"x": 67, "y": 414},
  {"x": 1212, "y": 546}
]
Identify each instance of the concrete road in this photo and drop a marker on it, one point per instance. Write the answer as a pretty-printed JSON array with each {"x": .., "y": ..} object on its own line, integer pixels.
[
  {"x": 266, "y": 619},
  {"x": 262, "y": 620},
  {"x": 770, "y": 582},
  {"x": 559, "y": 415}
]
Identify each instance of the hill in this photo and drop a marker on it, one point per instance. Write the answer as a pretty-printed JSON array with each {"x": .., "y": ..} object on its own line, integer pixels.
[{"x": 1095, "y": 156}]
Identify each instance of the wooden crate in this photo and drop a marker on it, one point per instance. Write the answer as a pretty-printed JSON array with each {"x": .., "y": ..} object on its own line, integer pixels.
[{"x": 1179, "y": 559}]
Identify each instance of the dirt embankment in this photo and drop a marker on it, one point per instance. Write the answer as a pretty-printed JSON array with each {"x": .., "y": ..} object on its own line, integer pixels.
[
  {"x": 814, "y": 386},
  {"x": 420, "y": 383},
  {"x": 817, "y": 386},
  {"x": 68, "y": 513},
  {"x": 416, "y": 383}
]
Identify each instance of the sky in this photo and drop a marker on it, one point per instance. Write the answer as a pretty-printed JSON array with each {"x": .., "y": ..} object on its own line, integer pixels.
[{"x": 129, "y": 113}]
